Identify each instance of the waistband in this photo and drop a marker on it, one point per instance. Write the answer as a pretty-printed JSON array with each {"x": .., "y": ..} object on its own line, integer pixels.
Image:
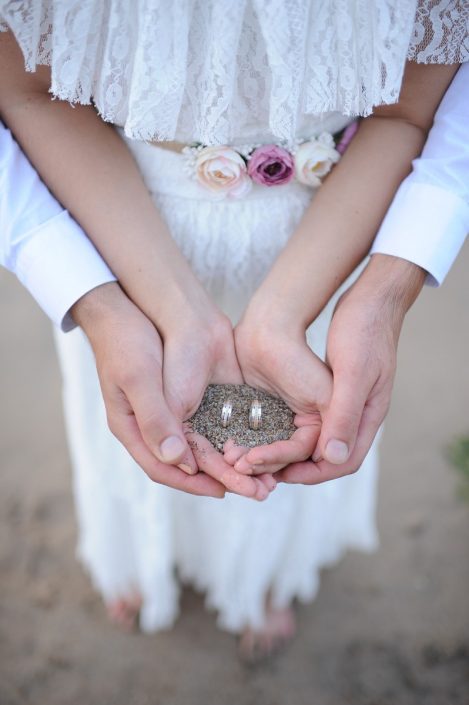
[{"x": 223, "y": 172}]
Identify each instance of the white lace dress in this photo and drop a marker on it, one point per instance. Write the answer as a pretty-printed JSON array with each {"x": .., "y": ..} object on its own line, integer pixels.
[{"x": 218, "y": 71}]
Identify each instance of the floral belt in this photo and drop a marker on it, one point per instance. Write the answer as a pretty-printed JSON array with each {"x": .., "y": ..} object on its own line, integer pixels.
[{"x": 230, "y": 172}]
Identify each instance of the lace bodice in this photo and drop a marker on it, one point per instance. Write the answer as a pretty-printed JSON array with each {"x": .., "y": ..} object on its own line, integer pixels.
[{"x": 232, "y": 71}]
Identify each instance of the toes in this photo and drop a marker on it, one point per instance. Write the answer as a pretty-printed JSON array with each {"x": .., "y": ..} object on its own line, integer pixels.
[
  {"x": 124, "y": 612},
  {"x": 253, "y": 648},
  {"x": 256, "y": 646}
]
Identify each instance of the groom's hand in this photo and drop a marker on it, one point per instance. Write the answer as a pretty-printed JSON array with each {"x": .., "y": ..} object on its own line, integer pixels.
[
  {"x": 361, "y": 351},
  {"x": 129, "y": 361}
]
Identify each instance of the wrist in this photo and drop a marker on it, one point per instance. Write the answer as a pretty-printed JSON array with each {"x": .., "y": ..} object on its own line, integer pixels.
[
  {"x": 98, "y": 306},
  {"x": 393, "y": 281},
  {"x": 269, "y": 313}
]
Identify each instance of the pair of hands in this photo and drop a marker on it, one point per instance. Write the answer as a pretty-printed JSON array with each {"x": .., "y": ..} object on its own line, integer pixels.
[{"x": 339, "y": 407}]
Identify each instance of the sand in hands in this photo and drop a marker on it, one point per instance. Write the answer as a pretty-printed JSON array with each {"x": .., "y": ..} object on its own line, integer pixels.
[{"x": 277, "y": 418}]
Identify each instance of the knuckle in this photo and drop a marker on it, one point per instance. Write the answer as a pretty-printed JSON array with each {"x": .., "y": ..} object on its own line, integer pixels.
[
  {"x": 154, "y": 424},
  {"x": 131, "y": 375},
  {"x": 113, "y": 423},
  {"x": 345, "y": 425}
]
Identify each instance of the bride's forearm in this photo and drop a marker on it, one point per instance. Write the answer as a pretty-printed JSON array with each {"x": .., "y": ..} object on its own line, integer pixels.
[
  {"x": 338, "y": 227},
  {"x": 340, "y": 224},
  {"x": 92, "y": 173}
]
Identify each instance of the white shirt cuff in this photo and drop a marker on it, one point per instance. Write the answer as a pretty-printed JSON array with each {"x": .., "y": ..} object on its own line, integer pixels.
[
  {"x": 62, "y": 256},
  {"x": 426, "y": 225}
]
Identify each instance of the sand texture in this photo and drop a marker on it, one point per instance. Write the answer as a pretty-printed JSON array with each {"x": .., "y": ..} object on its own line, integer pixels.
[{"x": 276, "y": 420}]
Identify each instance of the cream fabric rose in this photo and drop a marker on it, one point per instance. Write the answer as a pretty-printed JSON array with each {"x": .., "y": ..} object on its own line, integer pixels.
[
  {"x": 314, "y": 159},
  {"x": 223, "y": 171}
]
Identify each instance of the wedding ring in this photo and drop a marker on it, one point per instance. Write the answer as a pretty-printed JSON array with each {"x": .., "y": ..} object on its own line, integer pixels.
[
  {"x": 227, "y": 410},
  {"x": 255, "y": 415}
]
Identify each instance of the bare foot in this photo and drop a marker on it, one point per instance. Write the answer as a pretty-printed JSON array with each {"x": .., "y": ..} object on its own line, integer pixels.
[
  {"x": 124, "y": 611},
  {"x": 279, "y": 628}
]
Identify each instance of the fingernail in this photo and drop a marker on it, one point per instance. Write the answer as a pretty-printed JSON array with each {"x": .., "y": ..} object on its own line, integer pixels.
[
  {"x": 336, "y": 452},
  {"x": 316, "y": 457},
  {"x": 187, "y": 469},
  {"x": 171, "y": 448}
]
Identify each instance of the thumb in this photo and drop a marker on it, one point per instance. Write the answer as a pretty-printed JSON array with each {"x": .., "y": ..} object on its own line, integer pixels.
[
  {"x": 160, "y": 429},
  {"x": 342, "y": 418}
]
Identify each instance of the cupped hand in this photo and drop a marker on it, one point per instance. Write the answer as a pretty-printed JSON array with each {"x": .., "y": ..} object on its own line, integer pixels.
[
  {"x": 274, "y": 355},
  {"x": 362, "y": 352},
  {"x": 199, "y": 350},
  {"x": 129, "y": 361},
  {"x": 149, "y": 394}
]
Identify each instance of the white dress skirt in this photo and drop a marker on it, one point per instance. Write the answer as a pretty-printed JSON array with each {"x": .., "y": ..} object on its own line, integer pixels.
[{"x": 138, "y": 535}]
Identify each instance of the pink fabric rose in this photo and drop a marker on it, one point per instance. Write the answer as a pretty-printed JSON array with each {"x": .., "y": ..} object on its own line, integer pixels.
[
  {"x": 347, "y": 137},
  {"x": 223, "y": 171},
  {"x": 270, "y": 165}
]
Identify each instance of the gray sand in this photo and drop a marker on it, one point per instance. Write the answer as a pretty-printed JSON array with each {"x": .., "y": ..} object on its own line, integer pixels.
[{"x": 277, "y": 419}]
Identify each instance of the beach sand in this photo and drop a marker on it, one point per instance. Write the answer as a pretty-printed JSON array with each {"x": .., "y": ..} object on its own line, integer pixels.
[{"x": 386, "y": 629}]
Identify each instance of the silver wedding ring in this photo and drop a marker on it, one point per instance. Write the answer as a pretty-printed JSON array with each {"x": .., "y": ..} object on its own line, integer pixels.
[
  {"x": 226, "y": 411},
  {"x": 255, "y": 415}
]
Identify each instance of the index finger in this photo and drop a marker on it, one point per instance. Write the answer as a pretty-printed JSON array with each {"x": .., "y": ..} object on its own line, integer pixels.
[
  {"x": 213, "y": 463},
  {"x": 273, "y": 457},
  {"x": 309, "y": 473}
]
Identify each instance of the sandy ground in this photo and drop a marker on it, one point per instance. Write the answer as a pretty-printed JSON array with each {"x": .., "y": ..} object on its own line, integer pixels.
[{"x": 386, "y": 629}]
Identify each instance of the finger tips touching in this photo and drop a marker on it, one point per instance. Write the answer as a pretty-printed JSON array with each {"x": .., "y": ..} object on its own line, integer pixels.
[
  {"x": 232, "y": 452},
  {"x": 261, "y": 490},
  {"x": 271, "y": 458},
  {"x": 213, "y": 463},
  {"x": 269, "y": 481},
  {"x": 244, "y": 467}
]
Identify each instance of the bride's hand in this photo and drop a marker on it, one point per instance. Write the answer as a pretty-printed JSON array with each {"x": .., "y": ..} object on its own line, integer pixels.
[
  {"x": 273, "y": 355},
  {"x": 199, "y": 350}
]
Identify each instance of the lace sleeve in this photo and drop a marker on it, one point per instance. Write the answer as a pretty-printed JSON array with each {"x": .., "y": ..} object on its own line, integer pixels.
[{"x": 441, "y": 32}]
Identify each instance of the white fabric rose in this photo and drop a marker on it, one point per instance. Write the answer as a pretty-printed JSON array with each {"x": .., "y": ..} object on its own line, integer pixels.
[
  {"x": 314, "y": 159},
  {"x": 223, "y": 171}
]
